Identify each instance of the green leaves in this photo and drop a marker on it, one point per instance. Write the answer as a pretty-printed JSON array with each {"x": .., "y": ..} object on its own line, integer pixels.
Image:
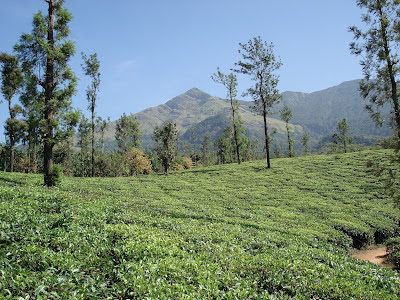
[
  {"x": 127, "y": 132},
  {"x": 166, "y": 146},
  {"x": 230, "y": 231}
]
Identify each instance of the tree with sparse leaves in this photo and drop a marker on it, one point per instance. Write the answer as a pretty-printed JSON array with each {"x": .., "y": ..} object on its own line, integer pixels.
[
  {"x": 166, "y": 144},
  {"x": 230, "y": 83},
  {"x": 260, "y": 63},
  {"x": 286, "y": 115},
  {"x": 12, "y": 79},
  {"x": 91, "y": 67},
  {"x": 377, "y": 46},
  {"x": 45, "y": 54}
]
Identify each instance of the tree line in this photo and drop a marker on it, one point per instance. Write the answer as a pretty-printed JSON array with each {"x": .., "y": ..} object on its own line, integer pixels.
[
  {"x": 45, "y": 122},
  {"x": 39, "y": 72}
]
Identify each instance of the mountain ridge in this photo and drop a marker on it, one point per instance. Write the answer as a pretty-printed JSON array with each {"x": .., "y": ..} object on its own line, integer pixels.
[{"x": 316, "y": 113}]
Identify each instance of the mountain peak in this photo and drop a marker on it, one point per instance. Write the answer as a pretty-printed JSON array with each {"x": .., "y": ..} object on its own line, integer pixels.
[{"x": 197, "y": 93}]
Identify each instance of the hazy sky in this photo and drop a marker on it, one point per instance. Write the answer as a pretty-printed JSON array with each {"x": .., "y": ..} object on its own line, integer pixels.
[{"x": 151, "y": 51}]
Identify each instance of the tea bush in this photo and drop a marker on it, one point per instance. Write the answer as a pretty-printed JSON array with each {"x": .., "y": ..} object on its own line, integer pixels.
[{"x": 222, "y": 232}]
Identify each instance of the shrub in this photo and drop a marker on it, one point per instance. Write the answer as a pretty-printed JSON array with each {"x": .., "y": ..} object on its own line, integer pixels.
[
  {"x": 55, "y": 175},
  {"x": 187, "y": 163},
  {"x": 177, "y": 167},
  {"x": 393, "y": 248},
  {"x": 138, "y": 162}
]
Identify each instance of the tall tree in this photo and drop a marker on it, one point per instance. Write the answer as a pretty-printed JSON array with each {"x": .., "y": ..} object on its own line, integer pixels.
[
  {"x": 286, "y": 116},
  {"x": 378, "y": 48},
  {"x": 230, "y": 83},
  {"x": 259, "y": 62},
  {"x": 45, "y": 54},
  {"x": 127, "y": 132},
  {"x": 11, "y": 76},
  {"x": 91, "y": 68},
  {"x": 341, "y": 136},
  {"x": 166, "y": 144}
]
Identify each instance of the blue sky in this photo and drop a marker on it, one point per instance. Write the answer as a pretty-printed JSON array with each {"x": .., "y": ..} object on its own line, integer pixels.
[{"x": 151, "y": 51}]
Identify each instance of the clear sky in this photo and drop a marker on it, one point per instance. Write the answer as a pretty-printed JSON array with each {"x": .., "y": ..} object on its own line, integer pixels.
[{"x": 151, "y": 51}]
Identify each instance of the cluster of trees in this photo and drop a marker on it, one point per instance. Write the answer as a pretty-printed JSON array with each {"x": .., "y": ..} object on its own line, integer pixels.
[{"x": 44, "y": 121}]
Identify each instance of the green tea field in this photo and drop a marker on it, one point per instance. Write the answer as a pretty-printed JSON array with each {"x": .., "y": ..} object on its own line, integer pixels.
[{"x": 222, "y": 232}]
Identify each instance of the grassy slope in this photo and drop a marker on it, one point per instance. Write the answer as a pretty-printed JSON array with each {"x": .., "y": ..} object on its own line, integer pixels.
[{"x": 219, "y": 232}]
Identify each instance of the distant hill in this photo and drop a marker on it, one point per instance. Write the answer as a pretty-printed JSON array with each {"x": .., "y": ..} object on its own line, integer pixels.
[
  {"x": 319, "y": 112},
  {"x": 316, "y": 113}
]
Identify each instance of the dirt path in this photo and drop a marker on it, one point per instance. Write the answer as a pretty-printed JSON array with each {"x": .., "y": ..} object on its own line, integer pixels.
[{"x": 376, "y": 255}]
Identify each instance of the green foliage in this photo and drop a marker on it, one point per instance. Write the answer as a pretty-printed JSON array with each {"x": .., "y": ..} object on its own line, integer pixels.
[
  {"x": 341, "y": 137},
  {"x": 127, "y": 132},
  {"x": 286, "y": 115},
  {"x": 230, "y": 83},
  {"x": 138, "y": 162},
  {"x": 380, "y": 60},
  {"x": 11, "y": 82},
  {"x": 260, "y": 63},
  {"x": 102, "y": 125},
  {"x": 389, "y": 175},
  {"x": 393, "y": 249},
  {"x": 84, "y": 132},
  {"x": 228, "y": 232},
  {"x": 206, "y": 151},
  {"x": 166, "y": 139},
  {"x": 304, "y": 141},
  {"x": 55, "y": 176},
  {"x": 44, "y": 55},
  {"x": 91, "y": 68},
  {"x": 11, "y": 76}
]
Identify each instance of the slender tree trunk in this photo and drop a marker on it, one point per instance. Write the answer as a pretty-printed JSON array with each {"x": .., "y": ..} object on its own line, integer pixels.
[
  {"x": 49, "y": 94},
  {"x": 289, "y": 142},
  {"x": 92, "y": 139},
  {"x": 12, "y": 141},
  {"x": 235, "y": 135},
  {"x": 266, "y": 136},
  {"x": 12, "y": 149},
  {"x": 34, "y": 158}
]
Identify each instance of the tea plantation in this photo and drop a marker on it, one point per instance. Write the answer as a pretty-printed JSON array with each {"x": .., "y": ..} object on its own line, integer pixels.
[{"x": 223, "y": 232}]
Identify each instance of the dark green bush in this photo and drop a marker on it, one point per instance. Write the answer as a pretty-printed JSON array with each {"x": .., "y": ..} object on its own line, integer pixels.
[
  {"x": 393, "y": 248},
  {"x": 55, "y": 175}
]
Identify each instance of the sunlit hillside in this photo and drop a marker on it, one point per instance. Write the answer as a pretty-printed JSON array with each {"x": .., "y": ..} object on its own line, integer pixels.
[{"x": 230, "y": 231}]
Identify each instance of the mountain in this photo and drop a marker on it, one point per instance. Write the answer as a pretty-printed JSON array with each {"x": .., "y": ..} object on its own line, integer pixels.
[
  {"x": 319, "y": 112},
  {"x": 315, "y": 113}
]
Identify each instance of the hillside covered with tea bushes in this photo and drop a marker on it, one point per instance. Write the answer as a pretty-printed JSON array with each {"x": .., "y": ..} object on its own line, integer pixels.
[{"x": 222, "y": 232}]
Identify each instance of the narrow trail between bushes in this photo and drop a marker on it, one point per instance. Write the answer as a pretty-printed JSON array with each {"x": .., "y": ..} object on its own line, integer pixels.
[{"x": 374, "y": 254}]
